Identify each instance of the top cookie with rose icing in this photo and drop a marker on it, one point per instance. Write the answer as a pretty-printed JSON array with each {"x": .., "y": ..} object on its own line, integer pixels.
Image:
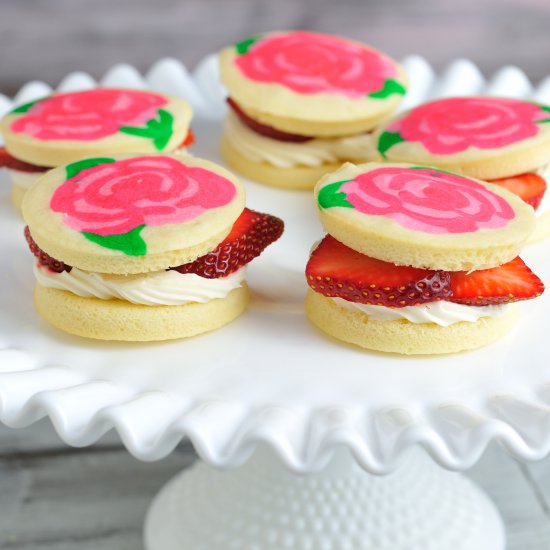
[
  {"x": 423, "y": 217},
  {"x": 308, "y": 82},
  {"x": 66, "y": 127},
  {"x": 132, "y": 214},
  {"x": 482, "y": 137}
]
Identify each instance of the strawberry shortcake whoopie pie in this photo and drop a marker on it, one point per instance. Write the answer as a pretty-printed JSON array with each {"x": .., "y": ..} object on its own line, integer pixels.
[
  {"x": 66, "y": 127},
  {"x": 141, "y": 248},
  {"x": 501, "y": 140},
  {"x": 417, "y": 260},
  {"x": 302, "y": 103}
]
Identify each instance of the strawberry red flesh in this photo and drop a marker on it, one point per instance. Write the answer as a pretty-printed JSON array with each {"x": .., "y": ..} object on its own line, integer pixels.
[
  {"x": 509, "y": 282},
  {"x": 338, "y": 271},
  {"x": 7, "y": 161},
  {"x": 529, "y": 187},
  {"x": 264, "y": 129},
  {"x": 188, "y": 141},
  {"x": 250, "y": 235},
  {"x": 43, "y": 258}
]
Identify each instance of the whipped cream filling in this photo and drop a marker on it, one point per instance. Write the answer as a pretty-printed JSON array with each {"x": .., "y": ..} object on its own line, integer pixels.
[
  {"x": 441, "y": 313},
  {"x": 544, "y": 173},
  {"x": 284, "y": 154},
  {"x": 159, "y": 288},
  {"x": 23, "y": 179}
]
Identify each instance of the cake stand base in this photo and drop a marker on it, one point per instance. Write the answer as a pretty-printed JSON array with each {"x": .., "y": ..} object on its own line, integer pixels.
[{"x": 263, "y": 506}]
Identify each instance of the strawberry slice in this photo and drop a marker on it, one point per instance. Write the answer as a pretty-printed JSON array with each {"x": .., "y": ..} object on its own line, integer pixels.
[
  {"x": 264, "y": 129},
  {"x": 250, "y": 235},
  {"x": 529, "y": 187},
  {"x": 509, "y": 282},
  {"x": 189, "y": 140},
  {"x": 335, "y": 270},
  {"x": 7, "y": 161},
  {"x": 43, "y": 258}
]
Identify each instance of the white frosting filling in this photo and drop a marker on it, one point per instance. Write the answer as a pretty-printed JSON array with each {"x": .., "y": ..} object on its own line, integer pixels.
[
  {"x": 23, "y": 179},
  {"x": 544, "y": 173},
  {"x": 441, "y": 313},
  {"x": 284, "y": 154},
  {"x": 159, "y": 288}
]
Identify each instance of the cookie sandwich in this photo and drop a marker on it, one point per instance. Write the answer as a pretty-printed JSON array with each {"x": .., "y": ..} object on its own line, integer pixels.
[
  {"x": 63, "y": 128},
  {"x": 302, "y": 103},
  {"x": 140, "y": 248},
  {"x": 417, "y": 260},
  {"x": 500, "y": 140}
]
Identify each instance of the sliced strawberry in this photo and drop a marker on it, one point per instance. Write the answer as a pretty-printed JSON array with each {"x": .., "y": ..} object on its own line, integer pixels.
[
  {"x": 264, "y": 129},
  {"x": 529, "y": 187},
  {"x": 189, "y": 140},
  {"x": 43, "y": 258},
  {"x": 335, "y": 270},
  {"x": 250, "y": 235},
  {"x": 509, "y": 282},
  {"x": 7, "y": 161}
]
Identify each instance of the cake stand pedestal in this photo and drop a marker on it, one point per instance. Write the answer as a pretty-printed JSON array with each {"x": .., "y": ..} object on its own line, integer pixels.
[{"x": 263, "y": 506}]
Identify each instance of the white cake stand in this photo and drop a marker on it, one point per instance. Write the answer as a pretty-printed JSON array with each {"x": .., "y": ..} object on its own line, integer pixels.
[{"x": 272, "y": 389}]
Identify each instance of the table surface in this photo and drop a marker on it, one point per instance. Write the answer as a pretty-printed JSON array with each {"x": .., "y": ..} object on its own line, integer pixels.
[{"x": 57, "y": 498}]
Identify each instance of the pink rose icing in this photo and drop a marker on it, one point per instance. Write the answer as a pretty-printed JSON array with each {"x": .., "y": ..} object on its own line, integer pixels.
[
  {"x": 114, "y": 198},
  {"x": 309, "y": 63},
  {"x": 87, "y": 115},
  {"x": 428, "y": 200},
  {"x": 448, "y": 126}
]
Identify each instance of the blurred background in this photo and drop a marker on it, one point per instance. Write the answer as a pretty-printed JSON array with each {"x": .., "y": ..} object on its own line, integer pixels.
[{"x": 46, "y": 39}]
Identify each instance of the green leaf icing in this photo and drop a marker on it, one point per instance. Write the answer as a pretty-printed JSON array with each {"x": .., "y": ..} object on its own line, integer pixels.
[
  {"x": 131, "y": 243},
  {"x": 331, "y": 196},
  {"x": 76, "y": 167},
  {"x": 26, "y": 106},
  {"x": 391, "y": 87},
  {"x": 388, "y": 140},
  {"x": 159, "y": 129},
  {"x": 243, "y": 46}
]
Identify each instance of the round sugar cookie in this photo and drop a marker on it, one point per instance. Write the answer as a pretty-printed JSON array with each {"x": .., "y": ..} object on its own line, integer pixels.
[
  {"x": 401, "y": 336},
  {"x": 124, "y": 321},
  {"x": 297, "y": 177},
  {"x": 63, "y": 128},
  {"x": 132, "y": 214},
  {"x": 312, "y": 83},
  {"x": 423, "y": 217},
  {"x": 482, "y": 137}
]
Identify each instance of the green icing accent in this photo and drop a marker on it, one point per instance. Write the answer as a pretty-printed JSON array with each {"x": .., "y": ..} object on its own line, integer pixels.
[
  {"x": 159, "y": 129},
  {"x": 388, "y": 140},
  {"x": 331, "y": 196},
  {"x": 543, "y": 120},
  {"x": 243, "y": 46},
  {"x": 76, "y": 167},
  {"x": 131, "y": 243},
  {"x": 26, "y": 106},
  {"x": 391, "y": 87},
  {"x": 545, "y": 108}
]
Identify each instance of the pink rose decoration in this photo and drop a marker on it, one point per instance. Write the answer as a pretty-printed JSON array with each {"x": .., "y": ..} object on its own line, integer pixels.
[
  {"x": 448, "y": 126},
  {"x": 87, "y": 115},
  {"x": 428, "y": 200},
  {"x": 115, "y": 198},
  {"x": 309, "y": 63}
]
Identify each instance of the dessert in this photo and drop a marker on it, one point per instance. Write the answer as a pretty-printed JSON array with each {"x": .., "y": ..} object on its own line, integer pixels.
[
  {"x": 301, "y": 103},
  {"x": 64, "y": 128},
  {"x": 141, "y": 248},
  {"x": 502, "y": 140},
  {"x": 417, "y": 260}
]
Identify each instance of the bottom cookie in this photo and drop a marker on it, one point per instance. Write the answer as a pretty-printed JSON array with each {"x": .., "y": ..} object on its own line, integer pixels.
[
  {"x": 403, "y": 336},
  {"x": 299, "y": 177},
  {"x": 124, "y": 321}
]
